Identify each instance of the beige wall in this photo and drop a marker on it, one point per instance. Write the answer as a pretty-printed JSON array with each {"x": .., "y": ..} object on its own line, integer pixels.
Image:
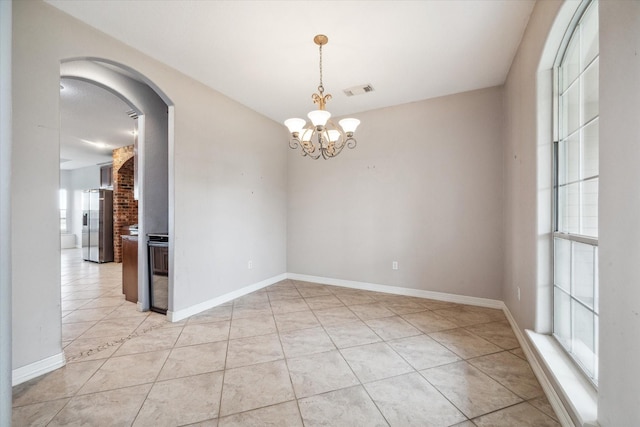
[
  {"x": 423, "y": 187},
  {"x": 619, "y": 204},
  {"x": 230, "y": 188},
  {"x": 525, "y": 139}
]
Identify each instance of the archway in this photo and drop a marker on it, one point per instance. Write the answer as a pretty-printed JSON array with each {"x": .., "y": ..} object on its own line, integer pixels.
[{"x": 154, "y": 113}]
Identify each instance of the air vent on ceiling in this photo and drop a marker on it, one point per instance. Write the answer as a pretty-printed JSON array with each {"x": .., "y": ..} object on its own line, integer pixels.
[
  {"x": 132, "y": 114},
  {"x": 358, "y": 90}
]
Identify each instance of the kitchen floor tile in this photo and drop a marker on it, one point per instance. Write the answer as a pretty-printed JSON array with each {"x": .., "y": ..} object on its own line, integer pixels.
[
  {"x": 312, "y": 291},
  {"x": 280, "y": 306},
  {"x": 409, "y": 400},
  {"x": 375, "y": 361},
  {"x": 428, "y": 322},
  {"x": 297, "y": 320},
  {"x": 195, "y": 359},
  {"x": 462, "y": 316},
  {"x": 215, "y": 314},
  {"x": 157, "y": 339},
  {"x": 371, "y": 311},
  {"x": 353, "y": 298},
  {"x": 252, "y": 350},
  {"x": 390, "y": 328},
  {"x": 82, "y": 350},
  {"x": 255, "y": 386},
  {"x": 305, "y": 341},
  {"x": 352, "y": 334},
  {"x": 125, "y": 371},
  {"x": 510, "y": 371},
  {"x": 182, "y": 401},
  {"x": 498, "y": 333},
  {"x": 341, "y": 408},
  {"x": 201, "y": 333},
  {"x": 423, "y": 352},
  {"x": 323, "y": 302},
  {"x": 335, "y": 316},
  {"x": 280, "y": 415},
  {"x": 252, "y": 326},
  {"x": 108, "y": 328},
  {"x": 37, "y": 414},
  {"x": 63, "y": 382},
  {"x": 542, "y": 404},
  {"x": 464, "y": 343},
  {"x": 473, "y": 392},
  {"x": 253, "y": 310},
  {"x": 523, "y": 415},
  {"x": 107, "y": 408},
  {"x": 319, "y": 373}
]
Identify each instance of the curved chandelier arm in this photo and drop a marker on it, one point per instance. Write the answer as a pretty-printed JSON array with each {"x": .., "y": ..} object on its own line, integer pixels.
[
  {"x": 294, "y": 142},
  {"x": 306, "y": 147}
]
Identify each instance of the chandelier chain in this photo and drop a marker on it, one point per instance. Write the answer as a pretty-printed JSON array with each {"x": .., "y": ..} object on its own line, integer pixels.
[{"x": 321, "y": 87}]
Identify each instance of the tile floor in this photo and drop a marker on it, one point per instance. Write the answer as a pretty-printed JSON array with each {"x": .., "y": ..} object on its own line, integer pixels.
[{"x": 292, "y": 354}]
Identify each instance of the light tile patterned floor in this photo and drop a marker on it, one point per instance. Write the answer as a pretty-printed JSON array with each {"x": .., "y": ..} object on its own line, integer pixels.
[{"x": 292, "y": 354}]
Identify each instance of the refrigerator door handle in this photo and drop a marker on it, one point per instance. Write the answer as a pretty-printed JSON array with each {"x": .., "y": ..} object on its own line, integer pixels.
[{"x": 85, "y": 219}]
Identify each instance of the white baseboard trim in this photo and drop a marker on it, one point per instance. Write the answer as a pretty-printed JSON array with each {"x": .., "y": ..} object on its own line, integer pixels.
[
  {"x": 420, "y": 293},
  {"x": 175, "y": 316},
  {"x": 27, "y": 372},
  {"x": 554, "y": 399}
]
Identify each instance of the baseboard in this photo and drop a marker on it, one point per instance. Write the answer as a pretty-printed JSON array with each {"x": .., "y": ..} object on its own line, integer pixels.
[
  {"x": 554, "y": 399},
  {"x": 25, "y": 373},
  {"x": 175, "y": 316},
  {"x": 440, "y": 296}
]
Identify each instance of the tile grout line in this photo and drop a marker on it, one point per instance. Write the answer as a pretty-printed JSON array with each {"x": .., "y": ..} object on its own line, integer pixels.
[
  {"x": 286, "y": 362},
  {"x": 224, "y": 369}
]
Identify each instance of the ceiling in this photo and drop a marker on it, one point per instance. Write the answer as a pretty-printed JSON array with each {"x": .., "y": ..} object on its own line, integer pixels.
[
  {"x": 261, "y": 53},
  {"x": 93, "y": 121}
]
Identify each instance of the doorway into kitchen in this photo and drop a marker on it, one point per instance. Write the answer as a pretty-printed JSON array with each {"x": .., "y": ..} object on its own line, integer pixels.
[{"x": 106, "y": 110}]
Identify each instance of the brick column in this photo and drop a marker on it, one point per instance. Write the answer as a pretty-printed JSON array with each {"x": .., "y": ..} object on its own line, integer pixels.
[{"x": 125, "y": 208}]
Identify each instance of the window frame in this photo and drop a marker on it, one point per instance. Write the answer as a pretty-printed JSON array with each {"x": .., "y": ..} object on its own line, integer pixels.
[{"x": 572, "y": 238}]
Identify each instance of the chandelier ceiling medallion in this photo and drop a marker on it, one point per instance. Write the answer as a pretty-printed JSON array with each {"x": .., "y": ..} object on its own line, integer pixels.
[{"x": 321, "y": 137}]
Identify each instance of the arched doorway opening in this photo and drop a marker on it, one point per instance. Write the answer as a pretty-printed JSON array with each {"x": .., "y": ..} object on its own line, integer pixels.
[{"x": 142, "y": 167}]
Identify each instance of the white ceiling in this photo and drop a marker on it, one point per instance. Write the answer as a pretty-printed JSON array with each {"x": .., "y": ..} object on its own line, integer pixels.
[
  {"x": 261, "y": 53},
  {"x": 93, "y": 121}
]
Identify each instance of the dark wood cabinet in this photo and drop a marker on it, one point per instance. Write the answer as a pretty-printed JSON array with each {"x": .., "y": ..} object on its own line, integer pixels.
[
  {"x": 130, "y": 268},
  {"x": 106, "y": 176}
]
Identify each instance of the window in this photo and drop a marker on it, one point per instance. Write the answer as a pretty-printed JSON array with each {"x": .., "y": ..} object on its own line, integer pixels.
[
  {"x": 575, "y": 306},
  {"x": 62, "y": 197}
]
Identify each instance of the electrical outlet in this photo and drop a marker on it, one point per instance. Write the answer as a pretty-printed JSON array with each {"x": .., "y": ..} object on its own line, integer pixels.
[
  {"x": 518, "y": 293},
  {"x": 394, "y": 265},
  {"x": 250, "y": 265}
]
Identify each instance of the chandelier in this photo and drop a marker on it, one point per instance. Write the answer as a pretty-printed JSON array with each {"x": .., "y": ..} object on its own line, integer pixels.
[{"x": 321, "y": 137}]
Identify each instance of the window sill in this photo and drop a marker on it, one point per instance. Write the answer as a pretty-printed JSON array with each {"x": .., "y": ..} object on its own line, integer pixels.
[{"x": 574, "y": 389}]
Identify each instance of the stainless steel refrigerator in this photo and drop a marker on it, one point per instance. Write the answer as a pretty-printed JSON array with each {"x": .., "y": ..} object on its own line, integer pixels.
[{"x": 97, "y": 225}]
